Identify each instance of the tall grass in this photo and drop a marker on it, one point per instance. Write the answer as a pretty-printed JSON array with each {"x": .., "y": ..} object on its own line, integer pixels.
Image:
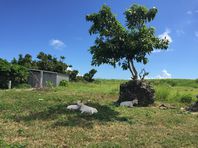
[
  {"x": 176, "y": 82},
  {"x": 162, "y": 92}
]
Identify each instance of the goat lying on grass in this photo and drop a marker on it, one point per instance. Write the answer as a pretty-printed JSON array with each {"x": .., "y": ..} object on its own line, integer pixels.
[
  {"x": 73, "y": 107},
  {"x": 129, "y": 103},
  {"x": 83, "y": 108},
  {"x": 87, "y": 109}
]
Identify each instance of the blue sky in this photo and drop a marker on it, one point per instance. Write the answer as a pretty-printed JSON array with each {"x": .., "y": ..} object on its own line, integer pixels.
[{"x": 59, "y": 27}]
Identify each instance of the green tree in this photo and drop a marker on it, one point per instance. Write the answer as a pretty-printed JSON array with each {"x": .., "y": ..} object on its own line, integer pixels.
[
  {"x": 25, "y": 61},
  {"x": 50, "y": 63},
  {"x": 14, "y": 61},
  {"x": 72, "y": 75},
  {"x": 14, "y": 72},
  {"x": 123, "y": 46},
  {"x": 62, "y": 58},
  {"x": 4, "y": 73},
  {"x": 18, "y": 74},
  {"x": 43, "y": 63},
  {"x": 89, "y": 76}
]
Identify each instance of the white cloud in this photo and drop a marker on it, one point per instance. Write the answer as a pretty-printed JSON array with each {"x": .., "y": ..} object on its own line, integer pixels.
[
  {"x": 164, "y": 75},
  {"x": 80, "y": 75},
  {"x": 196, "y": 33},
  {"x": 156, "y": 51},
  {"x": 166, "y": 35},
  {"x": 69, "y": 69},
  {"x": 57, "y": 44},
  {"x": 189, "y": 12}
]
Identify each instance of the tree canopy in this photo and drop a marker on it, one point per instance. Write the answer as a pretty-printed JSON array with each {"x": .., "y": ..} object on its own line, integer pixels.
[
  {"x": 44, "y": 62},
  {"x": 121, "y": 45}
]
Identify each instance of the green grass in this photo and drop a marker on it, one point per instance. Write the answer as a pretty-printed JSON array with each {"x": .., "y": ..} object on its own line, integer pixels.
[{"x": 30, "y": 118}]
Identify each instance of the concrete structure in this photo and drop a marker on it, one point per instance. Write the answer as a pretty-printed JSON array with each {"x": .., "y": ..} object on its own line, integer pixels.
[{"x": 40, "y": 78}]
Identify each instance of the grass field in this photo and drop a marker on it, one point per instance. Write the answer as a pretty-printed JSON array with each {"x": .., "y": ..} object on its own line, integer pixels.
[{"x": 30, "y": 118}]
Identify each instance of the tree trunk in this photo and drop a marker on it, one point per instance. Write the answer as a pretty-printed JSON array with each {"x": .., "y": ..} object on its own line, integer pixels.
[{"x": 132, "y": 70}]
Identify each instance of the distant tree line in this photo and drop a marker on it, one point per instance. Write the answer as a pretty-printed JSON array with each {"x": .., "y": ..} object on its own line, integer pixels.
[
  {"x": 17, "y": 69},
  {"x": 44, "y": 62}
]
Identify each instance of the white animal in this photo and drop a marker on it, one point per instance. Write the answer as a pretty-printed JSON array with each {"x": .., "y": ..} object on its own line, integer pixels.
[
  {"x": 87, "y": 109},
  {"x": 73, "y": 107},
  {"x": 129, "y": 103}
]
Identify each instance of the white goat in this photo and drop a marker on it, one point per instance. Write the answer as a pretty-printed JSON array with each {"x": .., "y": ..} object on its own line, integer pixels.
[
  {"x": 87, "y": 109},
  {"x": 129, "y": 103},
  {"x": 73, "y": 107}
]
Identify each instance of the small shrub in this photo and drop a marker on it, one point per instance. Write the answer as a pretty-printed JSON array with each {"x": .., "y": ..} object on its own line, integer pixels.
[
  {"x": 49, "y": 84},
  {"x": 79, "y": 78},
  {"x": 162, "y": 92},
  {"x": 171, "y": 83},
  {"x": 97, "y": 81},
  {"x": 22, "y": 86},
  {"x": 196, "y": 80},
  {"x": 73, "y": 75},
  {"x": 186, "y": 99},
  {"x": 63, "y": 83}
]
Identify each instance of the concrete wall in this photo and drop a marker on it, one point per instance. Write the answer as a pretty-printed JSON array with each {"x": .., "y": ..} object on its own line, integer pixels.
[
  {"x": 49, "y": 77},
  {"x": 39, "y": 78},
  {"x": 61, "y": 77},
  {"x": 34, "y": 78}
]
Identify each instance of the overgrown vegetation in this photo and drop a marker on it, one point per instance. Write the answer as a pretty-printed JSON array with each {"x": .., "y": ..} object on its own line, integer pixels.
[
  {"x": 50, "y": 63},
  {"x": 17, "y": 69},
  {"x": 89, "y": 76},
  {"x": 39, "y": 118},
  {"x": 12, "y": 72},
  {"x": 63, "y": 83}
]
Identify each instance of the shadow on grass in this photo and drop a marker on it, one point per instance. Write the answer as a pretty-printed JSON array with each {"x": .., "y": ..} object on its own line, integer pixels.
[{"x": 64, "y": 117}]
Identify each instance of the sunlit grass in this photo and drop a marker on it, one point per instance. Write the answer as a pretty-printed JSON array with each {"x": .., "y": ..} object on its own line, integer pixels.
[{"x": 30, "y": 118}]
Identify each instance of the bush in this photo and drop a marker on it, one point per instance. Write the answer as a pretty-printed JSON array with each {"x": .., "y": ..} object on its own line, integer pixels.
[
  {"x": 4, "y": 73},
  {"x": 196, "y": 80},
  {"x": 186, "y": 99},
  {"x": 89, "y": 76},
  {"x": 63, "y": 83},
  {"x": 171, "y": 83},
  {"x": 21, "y": 86},
  {"x": 79, "y": 78},
  {"x": 162, "y": 92},
  {"x": 49, "y": 84},
  {"x": 73, "y": 75},
  {"x": 16, "y": 73}
]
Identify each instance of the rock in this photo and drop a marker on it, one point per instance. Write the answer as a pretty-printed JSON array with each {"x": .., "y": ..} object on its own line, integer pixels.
[
  {"x": 162, "y": 106},
  {"x": 193, "y": 107},
  {"x": 137, "y": 89},
  {"x": 166, "y": 106}
]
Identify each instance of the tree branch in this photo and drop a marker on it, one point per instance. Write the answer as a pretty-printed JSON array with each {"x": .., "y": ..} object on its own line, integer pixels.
[
  {"x": 142, "y": 76},
  {"x": 132, "y": 70}
]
